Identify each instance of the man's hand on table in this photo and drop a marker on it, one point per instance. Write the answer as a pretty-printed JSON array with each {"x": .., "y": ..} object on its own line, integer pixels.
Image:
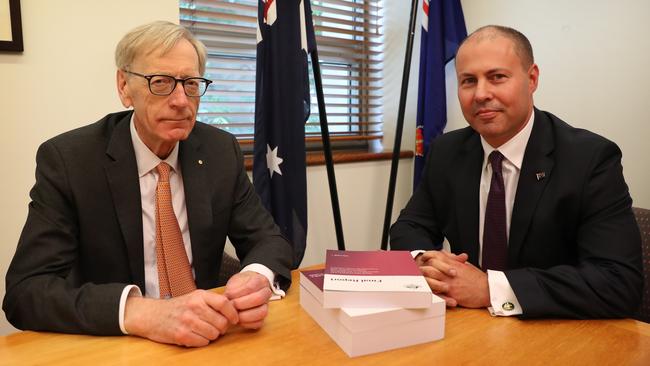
[
  {"x": 191, "y": 320},
  {"x": 197, "y": 318},
  {"x": 250, "y": 293},
  {"x": 454, "y": 279}
]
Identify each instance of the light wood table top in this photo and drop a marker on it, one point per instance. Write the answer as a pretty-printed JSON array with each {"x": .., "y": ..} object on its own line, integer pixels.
[{"x": 291, "y": 337}]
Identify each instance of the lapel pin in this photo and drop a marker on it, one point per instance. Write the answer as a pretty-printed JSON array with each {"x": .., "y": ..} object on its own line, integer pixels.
[
  {"x": 540, "y": 176},
  {"x": 200, "y": 162}
]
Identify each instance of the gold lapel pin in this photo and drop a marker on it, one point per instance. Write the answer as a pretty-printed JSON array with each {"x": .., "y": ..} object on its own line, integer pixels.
[{"x": 200, "y": 162}]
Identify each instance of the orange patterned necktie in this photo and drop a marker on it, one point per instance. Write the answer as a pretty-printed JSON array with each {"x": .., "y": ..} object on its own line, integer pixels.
[{"x": 174, "y": 271}]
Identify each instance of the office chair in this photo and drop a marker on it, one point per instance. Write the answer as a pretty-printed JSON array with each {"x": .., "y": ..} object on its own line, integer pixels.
[
  {"x": 643, "y": 219},
  {"x": 229, "y": 266}
]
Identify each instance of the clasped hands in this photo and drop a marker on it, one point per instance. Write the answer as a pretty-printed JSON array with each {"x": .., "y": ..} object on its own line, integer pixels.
[
  {"x": 454, "y": 279},
  {"x": 197, "y": 318}
]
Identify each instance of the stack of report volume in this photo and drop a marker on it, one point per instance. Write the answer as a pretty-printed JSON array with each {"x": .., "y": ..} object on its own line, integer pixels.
[{"x": 372, "y": 301}]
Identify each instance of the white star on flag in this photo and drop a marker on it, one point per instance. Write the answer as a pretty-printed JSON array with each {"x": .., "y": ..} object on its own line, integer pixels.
[{"x": 273, "y": 161}]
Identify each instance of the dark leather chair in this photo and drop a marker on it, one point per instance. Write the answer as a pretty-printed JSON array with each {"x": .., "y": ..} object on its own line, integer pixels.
[
  {"x": 229, "y": 266},
  {"x": 643, "y": 219}
]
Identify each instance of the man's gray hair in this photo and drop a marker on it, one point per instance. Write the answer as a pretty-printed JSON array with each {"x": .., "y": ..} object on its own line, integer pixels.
[{"x": 154, "y": 36}]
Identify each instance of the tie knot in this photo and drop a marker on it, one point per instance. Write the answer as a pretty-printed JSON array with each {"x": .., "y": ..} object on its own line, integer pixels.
[
  {"x": 163, "y": 170},
  {"x": 496, "y": 158}
]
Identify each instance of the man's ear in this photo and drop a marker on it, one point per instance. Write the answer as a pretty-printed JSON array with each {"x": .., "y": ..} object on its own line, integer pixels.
[
  {"x": 123, "y": 89},
  {"x": 533, "y": 77}
]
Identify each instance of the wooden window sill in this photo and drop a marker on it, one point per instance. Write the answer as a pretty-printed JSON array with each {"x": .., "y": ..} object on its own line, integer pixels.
[{"x": 341, "y": 157}]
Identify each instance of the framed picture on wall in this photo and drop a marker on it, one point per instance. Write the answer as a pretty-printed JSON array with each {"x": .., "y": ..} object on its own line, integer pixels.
[{"x": 11, "y": 30}]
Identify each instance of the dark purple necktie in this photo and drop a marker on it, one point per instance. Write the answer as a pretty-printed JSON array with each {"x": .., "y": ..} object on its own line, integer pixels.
[{"x": 495, "y": 240}]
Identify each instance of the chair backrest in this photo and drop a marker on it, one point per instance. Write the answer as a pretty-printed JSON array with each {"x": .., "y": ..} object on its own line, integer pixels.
[
  {"x": 229, "y": 266},
  {"x": 643, "y": 219}
]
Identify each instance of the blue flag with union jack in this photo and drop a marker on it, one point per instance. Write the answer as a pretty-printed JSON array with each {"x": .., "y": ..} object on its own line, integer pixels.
[
  {"x": 285, "y": 36},
  {"x": 443, "y": 29}
]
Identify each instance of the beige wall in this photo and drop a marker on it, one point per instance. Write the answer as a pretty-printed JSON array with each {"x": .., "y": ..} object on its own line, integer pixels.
[{"x": 362, "y": 191}]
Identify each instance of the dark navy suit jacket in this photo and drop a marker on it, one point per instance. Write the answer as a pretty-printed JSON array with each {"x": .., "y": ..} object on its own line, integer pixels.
[
  {"x": 574, "y": 247},
  {"x": 82, "y": 242}
]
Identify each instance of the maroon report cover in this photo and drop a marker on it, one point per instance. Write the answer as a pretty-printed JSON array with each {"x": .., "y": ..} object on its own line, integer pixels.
[{"x": 373, "y": 279}]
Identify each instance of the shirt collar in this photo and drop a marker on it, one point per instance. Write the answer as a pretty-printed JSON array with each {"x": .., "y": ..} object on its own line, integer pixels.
[
  {"x": 145, "y": 158},
  {"x": 513, "y": 150}
]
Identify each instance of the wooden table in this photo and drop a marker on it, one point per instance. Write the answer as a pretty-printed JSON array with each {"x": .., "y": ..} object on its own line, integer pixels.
[{"x": 291, "y": 337}]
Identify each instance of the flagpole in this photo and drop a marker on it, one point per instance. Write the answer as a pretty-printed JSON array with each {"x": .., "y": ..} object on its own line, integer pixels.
[
  {"x": 400, "y": 126},
  {"x": 327, "y": 150}
]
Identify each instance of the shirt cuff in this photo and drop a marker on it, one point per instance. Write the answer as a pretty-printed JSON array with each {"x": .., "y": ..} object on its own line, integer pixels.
[
  {"x": 502, "y": 297},
  {"x": 278, "y": 293},
  {"x": 130, "y": 290},
  {"x": 415, "y": 253}
]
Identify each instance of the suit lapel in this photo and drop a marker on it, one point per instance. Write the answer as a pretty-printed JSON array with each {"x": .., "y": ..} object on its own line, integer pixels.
[
  {"x": 468, "y": 177},
  {"x": 122, "y": 175},
  {"x": 535, "y": 173},
  {"x": 198, "y": 202}
]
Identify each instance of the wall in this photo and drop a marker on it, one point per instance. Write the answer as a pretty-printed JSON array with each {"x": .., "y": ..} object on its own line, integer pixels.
[{"x": 362, "y": 191}]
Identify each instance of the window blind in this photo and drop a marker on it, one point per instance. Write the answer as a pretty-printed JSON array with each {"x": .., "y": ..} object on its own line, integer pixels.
[{"x": 350, "y": 46}]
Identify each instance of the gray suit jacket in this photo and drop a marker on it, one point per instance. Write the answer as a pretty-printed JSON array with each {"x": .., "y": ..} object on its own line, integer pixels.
[
  {"x": 82, "y": 242},
  {"x": 574, "y": 248}
]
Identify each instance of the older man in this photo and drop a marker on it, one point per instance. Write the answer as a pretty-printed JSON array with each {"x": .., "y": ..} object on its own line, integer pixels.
[
  {"x": 140, "y": 203},
  {"x": 540, "y": 206}
]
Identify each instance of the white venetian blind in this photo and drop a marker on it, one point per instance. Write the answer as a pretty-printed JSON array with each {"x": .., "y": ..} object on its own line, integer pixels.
[{"x": 350, "y": 47}]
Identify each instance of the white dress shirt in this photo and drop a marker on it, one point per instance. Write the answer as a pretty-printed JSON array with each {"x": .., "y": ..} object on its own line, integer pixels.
[
  {"x": 147, "y": 162},
  {"x": 502, "y": 297}
]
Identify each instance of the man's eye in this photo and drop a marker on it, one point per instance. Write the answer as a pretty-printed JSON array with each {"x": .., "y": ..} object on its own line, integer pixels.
[
  {"x": 191, "y": 83},
  {"x": 159, "y": 81}
]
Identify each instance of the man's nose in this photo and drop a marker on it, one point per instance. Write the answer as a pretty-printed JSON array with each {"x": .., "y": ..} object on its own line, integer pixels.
[
  {"x": 483, "y": 91},
  {"x": 178, "y": 97}
]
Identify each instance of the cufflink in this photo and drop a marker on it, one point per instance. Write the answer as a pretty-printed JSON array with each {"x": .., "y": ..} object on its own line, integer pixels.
[{"x": 508, "y": 306}]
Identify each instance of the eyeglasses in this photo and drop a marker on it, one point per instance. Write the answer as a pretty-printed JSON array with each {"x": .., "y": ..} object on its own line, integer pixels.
[{"x": 165, "y": 84}]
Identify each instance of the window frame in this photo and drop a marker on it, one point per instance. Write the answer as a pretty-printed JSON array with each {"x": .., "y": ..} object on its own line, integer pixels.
[{"x": 353, "y": 98}]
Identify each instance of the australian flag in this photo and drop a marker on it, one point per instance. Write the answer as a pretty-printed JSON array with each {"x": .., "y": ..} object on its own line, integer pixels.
[
  {"x": 443, "y": 29},
  {"x": 285, "y": 36}
]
